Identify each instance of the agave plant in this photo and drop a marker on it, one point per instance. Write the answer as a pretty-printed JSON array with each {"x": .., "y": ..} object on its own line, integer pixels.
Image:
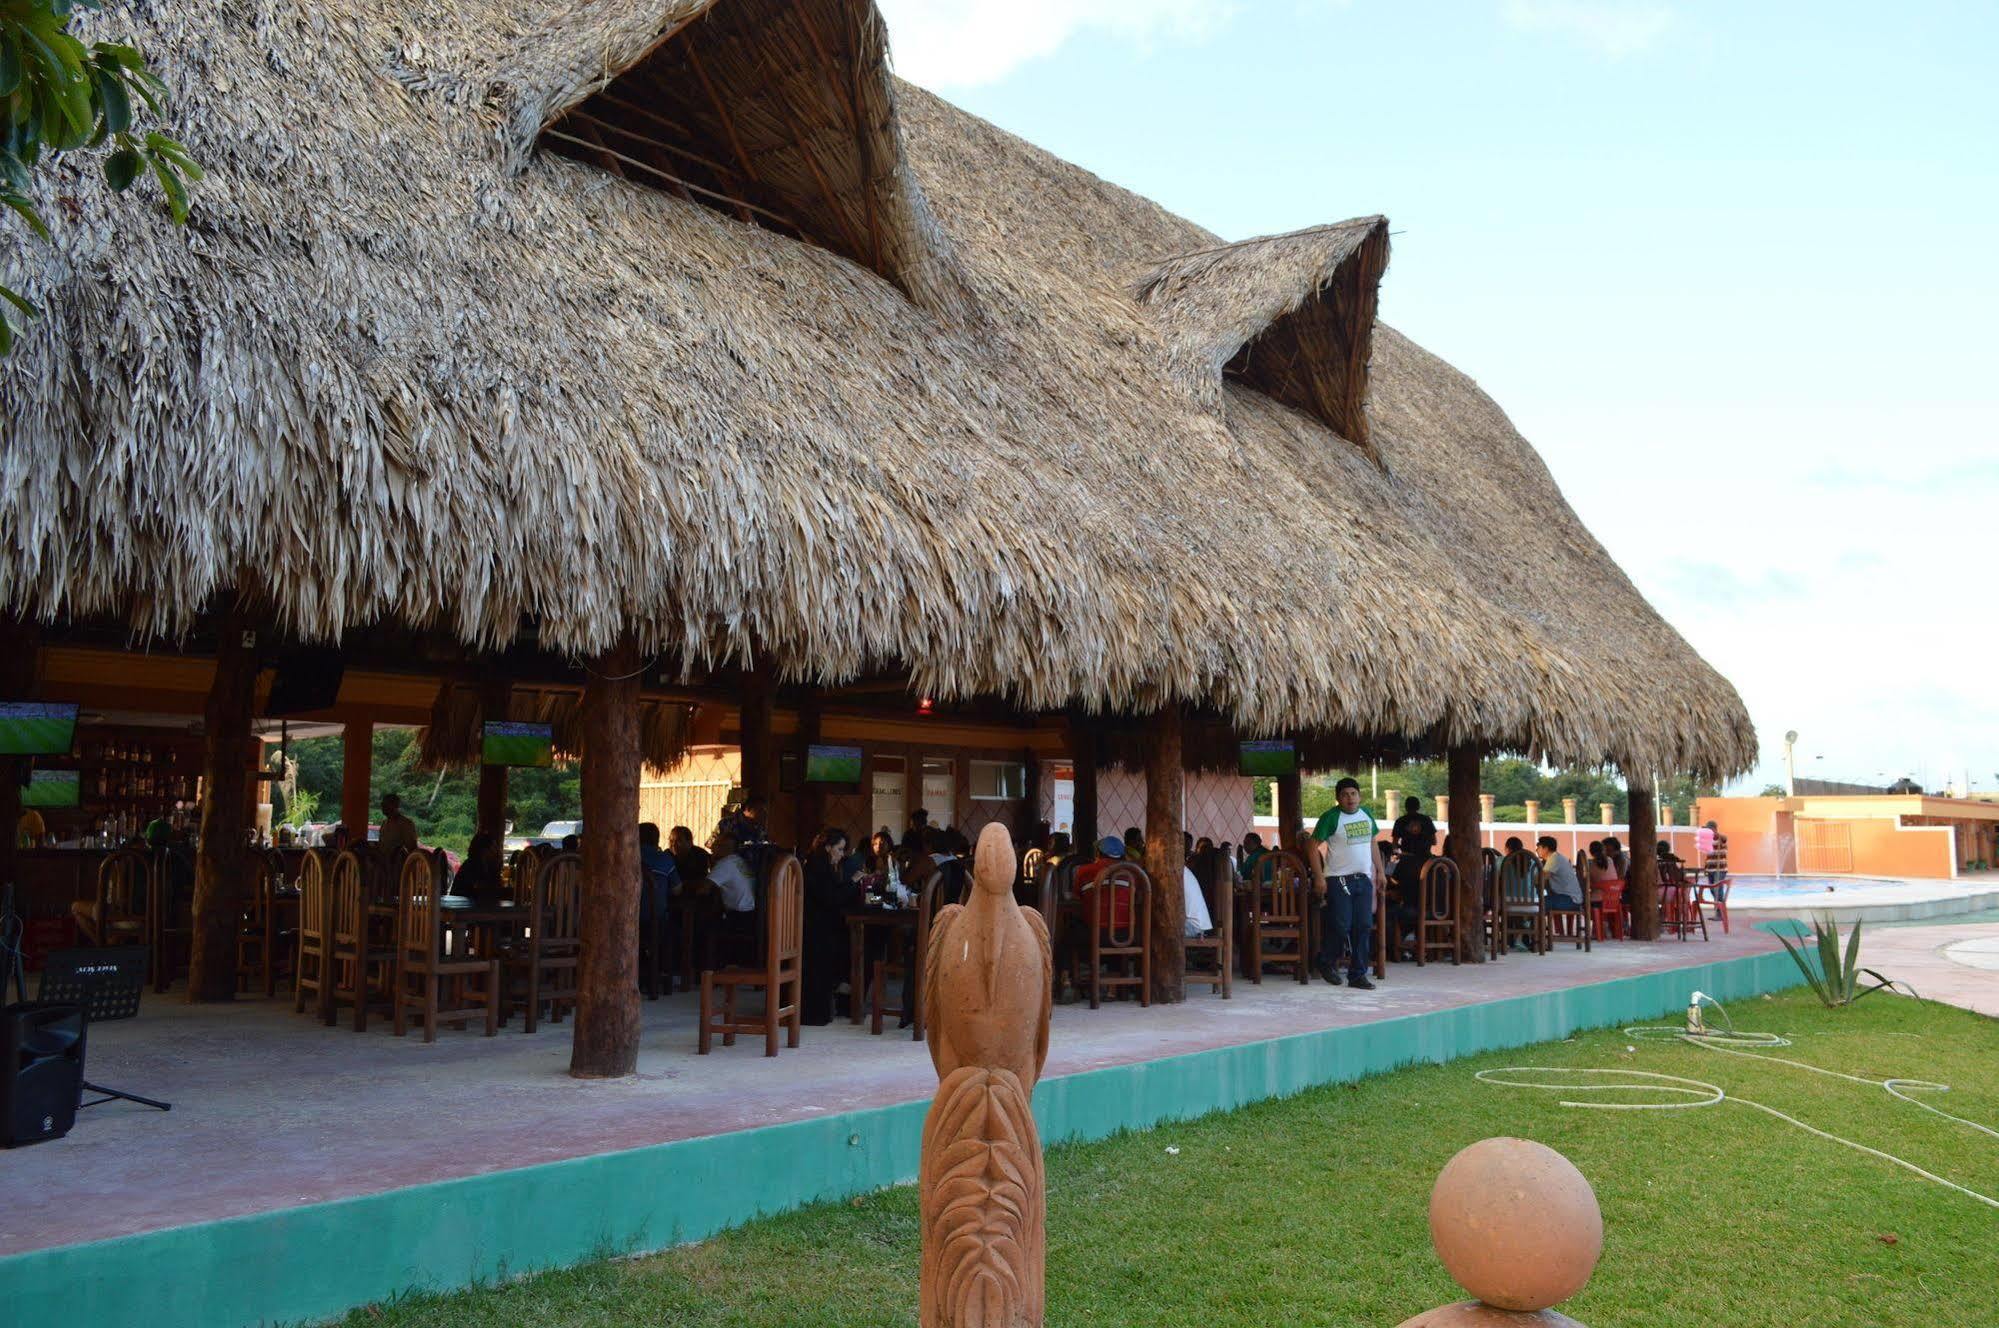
[{"x": 1836, "y": 981}]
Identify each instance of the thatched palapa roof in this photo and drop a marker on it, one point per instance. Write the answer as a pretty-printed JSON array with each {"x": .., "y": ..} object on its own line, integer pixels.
[{"x": 688, "y": 317}]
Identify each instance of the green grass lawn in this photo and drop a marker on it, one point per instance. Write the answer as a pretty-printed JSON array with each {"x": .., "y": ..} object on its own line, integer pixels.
[{"x": 1312, "y": 1210}]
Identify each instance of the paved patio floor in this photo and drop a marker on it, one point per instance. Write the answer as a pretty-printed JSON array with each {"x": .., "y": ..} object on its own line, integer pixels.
[{"x": 271, "y": 1109}]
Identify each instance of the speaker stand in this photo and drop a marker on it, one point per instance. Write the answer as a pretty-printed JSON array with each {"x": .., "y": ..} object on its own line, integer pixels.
[{"x": 116, "y": 1095}]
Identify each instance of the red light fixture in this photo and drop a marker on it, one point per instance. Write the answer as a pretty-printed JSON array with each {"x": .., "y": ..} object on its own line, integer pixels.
[{"x": 926, "y": 706}]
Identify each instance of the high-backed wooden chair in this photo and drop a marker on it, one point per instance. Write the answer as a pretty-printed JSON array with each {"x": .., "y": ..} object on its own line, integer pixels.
[
  {"x": 1277, "y": 916},
  {"x": 261, "y": 938},
  {"x": 312, "y": 960},
  {"x": 1211, "y": 959},
  {"x": 1520, "y": 907},
  {"x": 363, "y": 967},
  {"x": 1117, "y": 914},
  {"x": 120, "y": 908},
  {"x": 422, "y": 966},
  {"x": 1490, "y": 916},
  {"x": 783, "y": 935},
  {"x": 541, "y": 967},
  {"x": 1438, "y": 925},
  {"x": 909, "y": 968}
]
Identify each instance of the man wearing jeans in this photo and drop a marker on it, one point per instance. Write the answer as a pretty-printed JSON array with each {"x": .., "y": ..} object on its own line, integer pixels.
[{"x": 1353, "y": 873}]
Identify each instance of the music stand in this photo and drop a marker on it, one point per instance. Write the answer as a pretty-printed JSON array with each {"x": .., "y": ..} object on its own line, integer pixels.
[{"x": 106, "y": 983}]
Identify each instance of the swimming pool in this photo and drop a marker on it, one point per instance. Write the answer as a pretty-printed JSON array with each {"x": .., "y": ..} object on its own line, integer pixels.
[{"x": 1847, "y": 898}]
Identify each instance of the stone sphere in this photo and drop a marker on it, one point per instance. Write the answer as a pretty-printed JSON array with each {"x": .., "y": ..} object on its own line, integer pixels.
[
  {"x": 1477, "y": 1314},
  {"x": 1515, "y": 1224}
]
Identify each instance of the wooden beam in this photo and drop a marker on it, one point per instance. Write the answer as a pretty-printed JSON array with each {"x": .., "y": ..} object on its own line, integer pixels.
[
  {"x": 606, "y": 1043},
  {"x": 861, "y": 143},
  {"x": 1165, "y": 787},
  {"x": 19, "y": 638},
  {"x": 1467, "y": 851},
  {"x": 671, "y": 178},
  {"x": 759, "y": 745},
  {"x": 494, "y": 696},
  {"x": 221, "y": 863},
  {"x": 811, "y": 800},
  {"x": 1083, "y": 755},
  {"x": 722, "y": 114},
  {"x": 357, "y": 755},
  {"x": 1290, "y": 808},
  {"x": 1641, "y": 881}
]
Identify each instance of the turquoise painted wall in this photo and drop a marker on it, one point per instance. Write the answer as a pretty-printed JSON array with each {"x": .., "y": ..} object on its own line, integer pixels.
[{"x": 304, "y": 1264}]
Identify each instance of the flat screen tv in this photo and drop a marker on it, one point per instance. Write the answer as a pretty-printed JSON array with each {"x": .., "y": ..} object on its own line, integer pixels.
[
  {"x": 52, "y": 788},
  {"x": 1266, "y": 759},
  {"x": 505, "y": 742},
  {"x": 37, "y": 728},
  {"x": 832, "y": 765}
]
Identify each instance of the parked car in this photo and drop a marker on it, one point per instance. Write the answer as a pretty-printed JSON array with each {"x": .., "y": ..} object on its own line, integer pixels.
[{"x": 555, "y": 832}]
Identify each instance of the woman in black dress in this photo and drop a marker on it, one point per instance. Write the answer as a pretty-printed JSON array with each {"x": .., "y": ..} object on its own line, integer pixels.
[{"x": 830, "y": 894}]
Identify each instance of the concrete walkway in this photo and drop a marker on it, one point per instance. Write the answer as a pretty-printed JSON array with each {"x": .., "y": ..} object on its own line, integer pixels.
[
  {"x": 272, "y": 1110},
  {"x": 1957, "y": 964}
]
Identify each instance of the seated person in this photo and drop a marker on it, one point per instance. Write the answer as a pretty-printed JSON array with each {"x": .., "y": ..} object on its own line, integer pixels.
[
  {"x": 1072, "y": 941},
  {"x": 735, "y": 883},
  {"x": 1564, "y": 889},
  {"x": 1246, "y": 859},
  {"x": 660, "y": 880},
  {"x": 1198, "y": 922},
  {"x": 478, "y": 875},
  {"x": 690, "y": 860}
]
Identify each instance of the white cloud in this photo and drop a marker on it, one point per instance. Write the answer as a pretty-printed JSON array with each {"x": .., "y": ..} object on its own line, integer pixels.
[
  {"x": 964, "y": 43},
  {"x": 1610, "y": 27}
]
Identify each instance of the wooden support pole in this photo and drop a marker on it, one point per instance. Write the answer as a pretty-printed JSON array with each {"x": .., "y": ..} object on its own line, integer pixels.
[
  {"x": 1083, "y": 758},
  {"x": 494, "y": 697},
  {"x": 221, "y": 866},
  {"x": 606, "y": 1043},
  {"x": 1641, "y": 882},
  {"x": 1165, "y": 859},
  {"x": 1290, "y": 808},
  {"x": 1030, "y": 794},
  {"x": 811, "y": 800},
  {"x": 1467, "y": 849},
  {"x": 20, "y": 640},
  {"x": 759, "y": 748},
  {"x": 357, "y": 756}
]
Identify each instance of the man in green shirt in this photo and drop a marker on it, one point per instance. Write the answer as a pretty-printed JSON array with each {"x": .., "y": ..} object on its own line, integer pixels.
[{"x": 1353, "y": 874}]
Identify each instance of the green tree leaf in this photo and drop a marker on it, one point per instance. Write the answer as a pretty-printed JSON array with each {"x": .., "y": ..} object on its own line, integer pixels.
[{"x": 121, "y": 168}]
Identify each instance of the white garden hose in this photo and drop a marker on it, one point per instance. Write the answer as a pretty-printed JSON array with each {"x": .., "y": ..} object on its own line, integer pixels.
[{"x": 1570, "y": 1079}]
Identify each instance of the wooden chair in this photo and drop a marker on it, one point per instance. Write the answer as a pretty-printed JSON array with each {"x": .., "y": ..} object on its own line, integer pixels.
[
  {"x": 908, "y": 967},
  {"x": 421, "y": 964},
  {"x": 363, "y": 968},
  {"x": 1216, "y": 952},
  {"x": 1117, "y": 913},
  {"x": 260, "y": 939},
  {"x": 1715, "y": 892},
  {"x": 542, "y": 965},
  {"x": 1277, "y": 917},
  {"x": 1679, "y": 904},
  {"x": 1490, "y": 916},
  {"x": 783, "y": 934},
  {"x": 1438, "y": 924},
  {"x": 1521, "y": 912},
  {"x": 120, "y": 909},
  {"x": 312, "y": 960}
]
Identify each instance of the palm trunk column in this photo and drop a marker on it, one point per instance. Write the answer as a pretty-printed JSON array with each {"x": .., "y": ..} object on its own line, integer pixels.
[
  {"x": 607, "y": 995},
  {"x": 221, "y": 866},
  {"x": 1641, "y": 884},
  {"x": 1164, "y": 858},
  {"x": 1083, "y": 758},
  {"x": 1467, "y": 849}
]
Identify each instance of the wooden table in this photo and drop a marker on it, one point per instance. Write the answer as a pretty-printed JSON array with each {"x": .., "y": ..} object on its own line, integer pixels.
[{"x": 896, "y": 921}]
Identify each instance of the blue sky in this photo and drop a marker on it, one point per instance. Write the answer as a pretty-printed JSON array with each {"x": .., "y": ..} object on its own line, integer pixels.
[{"x": 1732, "y": 267}]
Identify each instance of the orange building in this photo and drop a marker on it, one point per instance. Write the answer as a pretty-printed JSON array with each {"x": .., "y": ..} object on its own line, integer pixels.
[{"x": 1856, "y": 834}]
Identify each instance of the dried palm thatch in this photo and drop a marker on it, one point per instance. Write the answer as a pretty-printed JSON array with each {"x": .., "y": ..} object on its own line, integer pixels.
[{"x": 910, "y": 412}]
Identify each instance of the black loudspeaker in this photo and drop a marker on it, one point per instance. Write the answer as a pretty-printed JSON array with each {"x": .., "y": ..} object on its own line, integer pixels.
[
  {"x": 41, "y": 1071},
  {"x": 308, "y": 679}
]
